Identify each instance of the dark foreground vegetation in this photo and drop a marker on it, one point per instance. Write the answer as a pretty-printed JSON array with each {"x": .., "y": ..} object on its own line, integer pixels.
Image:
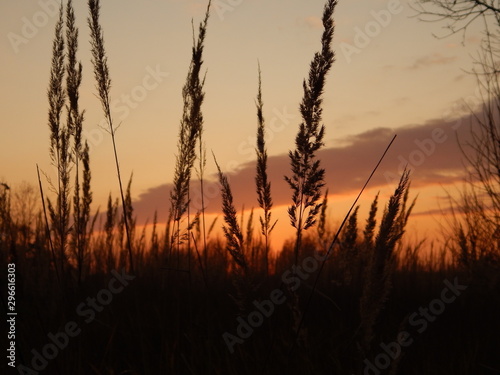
[{"x": 171, "y": 318}]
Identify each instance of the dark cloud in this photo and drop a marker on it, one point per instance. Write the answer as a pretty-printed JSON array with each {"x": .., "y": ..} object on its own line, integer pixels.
[{"x": 430, "y": 150}]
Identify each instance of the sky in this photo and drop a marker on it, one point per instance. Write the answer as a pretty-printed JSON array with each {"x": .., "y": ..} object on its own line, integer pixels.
[{"x": 393, "y": 74}]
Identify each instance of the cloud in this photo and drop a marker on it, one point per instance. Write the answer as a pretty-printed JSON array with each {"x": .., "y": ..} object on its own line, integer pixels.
[
  {"x": 311, "y": 22},
  {"x": 314, "y": 22},
  {"x": 431, "y": 60},
  {"x": 430, "y": 150},
  {"x": 402, "y": 100}
]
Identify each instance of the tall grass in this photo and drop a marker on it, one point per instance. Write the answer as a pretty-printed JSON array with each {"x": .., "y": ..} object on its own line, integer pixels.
[
  {"x": 235, "y": 244},
  {"x": 232, "y": 230},
  {"x": 349, "y": 251},
  {"x": 371, "y": 222},
  {"x": 322, "y": 229},
  {"x": 473, "y": 234},
  {"x": 67, "y": 152},
  {"x": 6, "y": 231},
  {"x": 103, "y": 85},
  {"x": 307, "y": 177},
  {"x": 368, "y": 284},
  {"x": 262, "y": 182},
  {"x": 382, "y": 257},
  {"x": 82, "y": 196},
  {"x": 109, "y": 228},
  {"x": 190, "y": 132},
  {"x": 59, "y": 148}
]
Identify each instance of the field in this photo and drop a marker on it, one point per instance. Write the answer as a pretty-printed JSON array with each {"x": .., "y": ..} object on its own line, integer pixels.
[{"x": 96, "y": 293}]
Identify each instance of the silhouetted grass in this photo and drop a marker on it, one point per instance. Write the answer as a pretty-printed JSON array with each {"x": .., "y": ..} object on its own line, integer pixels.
[
  {"x": 307, "y": 177},
  {"x": 103, "y": 84},
  {"x": 262, "y": 182},
  {"x": 171, "y": 317}
]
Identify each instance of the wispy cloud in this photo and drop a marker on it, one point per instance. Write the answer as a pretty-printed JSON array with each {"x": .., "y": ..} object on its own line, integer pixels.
[
  {"x": 430, "y": 150},
  {"x": 431, "y": 60},
  {"x": 313, "y": 22}
]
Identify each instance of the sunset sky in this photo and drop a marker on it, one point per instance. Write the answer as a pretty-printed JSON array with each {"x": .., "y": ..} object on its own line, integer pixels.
[{"x": 391, "y": 75}]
